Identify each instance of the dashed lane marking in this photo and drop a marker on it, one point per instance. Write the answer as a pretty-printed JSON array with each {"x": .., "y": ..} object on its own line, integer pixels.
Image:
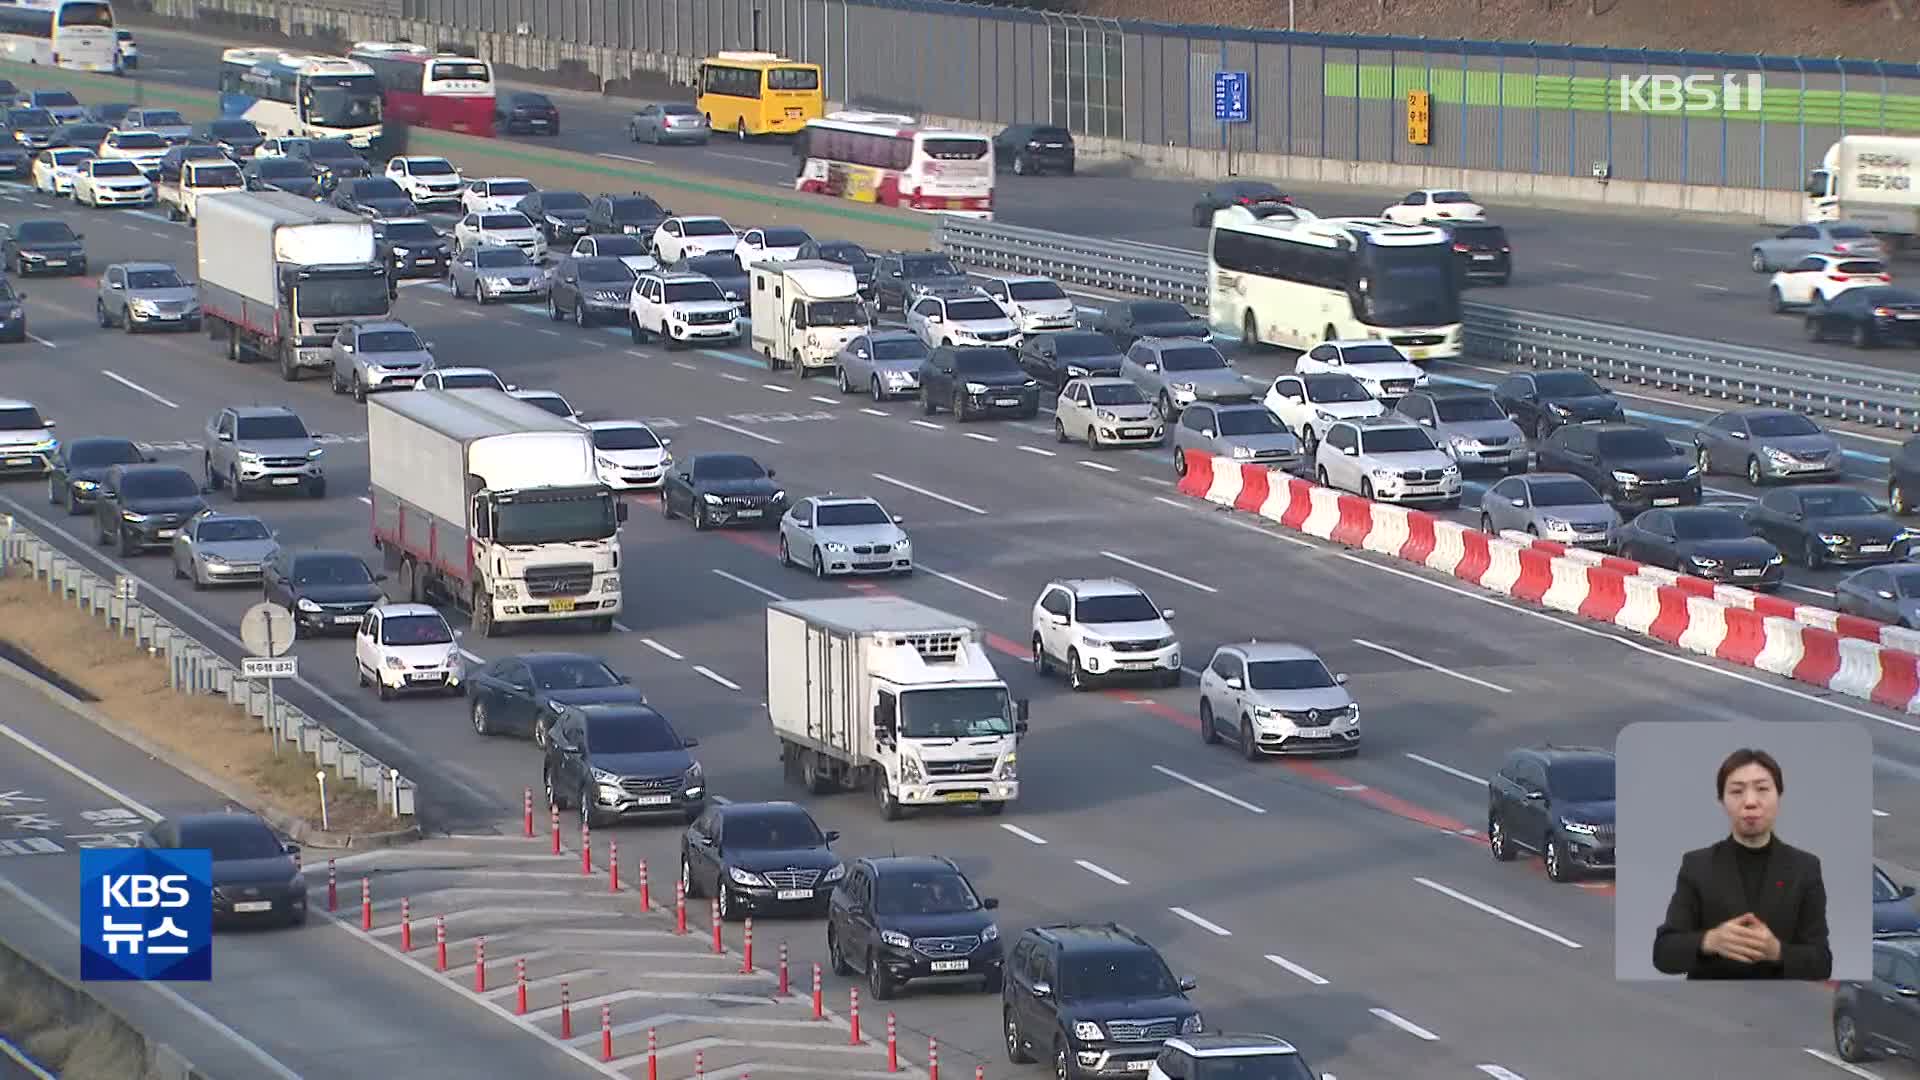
[
  {"x": 1031, "y": 838},
  {"x": 1288, "y": 965},
  {"x": 1209, "y": 926},
  {"x": 1405, "y": 1025},
  {"x": 1510, "y": 919},
  {"x": 1101, "y": 872}
]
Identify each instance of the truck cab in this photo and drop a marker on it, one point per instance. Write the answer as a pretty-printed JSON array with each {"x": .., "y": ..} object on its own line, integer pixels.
[
  {"x": 1873, "y": 180},
  {"x": 804, "y": 311},
  {"x": 181, "y": 192}
]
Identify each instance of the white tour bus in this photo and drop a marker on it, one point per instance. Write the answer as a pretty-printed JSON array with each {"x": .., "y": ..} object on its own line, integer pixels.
[
  {"x": 73, "y": 34},
  {"x": 892, "y": 160},
  {"x": 1285, "y": 277},
  {"x": 290, "y": 95}
]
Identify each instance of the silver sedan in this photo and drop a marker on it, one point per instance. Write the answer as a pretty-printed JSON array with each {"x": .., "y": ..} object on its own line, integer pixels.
[
  {"x": 1552, "y": 506},
  {"x": 1890, "y": 594},
  {"x": 836, "y": 535},
  {"x": 1247, "y": 433},
  {"x": 668, "y": 122},
  {"x": 1800, "y": 241},
  {"x": 885, "y": 363},
  {"x": 496, "y": 272},
  {"x": 222, "y": 549},
  {"x": 1765, "y": 445}
]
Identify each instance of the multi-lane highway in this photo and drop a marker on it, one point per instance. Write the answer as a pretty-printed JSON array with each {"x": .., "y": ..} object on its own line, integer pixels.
[{"x": 1349, "y": 906}]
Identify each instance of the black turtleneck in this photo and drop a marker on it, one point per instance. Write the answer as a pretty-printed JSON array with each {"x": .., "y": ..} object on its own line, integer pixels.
[{"x": 1752, "y": 862}]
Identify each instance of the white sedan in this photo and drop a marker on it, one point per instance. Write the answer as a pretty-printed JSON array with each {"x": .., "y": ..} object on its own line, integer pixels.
[
  {"x": 1817, "y": 279},
  {"x": 1380, "y": 367},
  {"x": 495, "y": 195},
  {"x": 1429, "y": 205},
  {"x": 408, "y": 648},
  {"x": 833, "y": 535},
  {"x": 111, "y": 183},
  {"x": 629, "y": 455},
  {"x": 500, "y": 230},
  {"x": 771, "y": 245},
  {"x": 684, "y": 237},
  {"x": 54, "y": 170},
  {"x": 1308, "y": 404}
]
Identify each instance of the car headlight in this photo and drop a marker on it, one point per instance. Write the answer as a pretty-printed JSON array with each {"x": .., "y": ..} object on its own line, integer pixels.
[
  {"x": 1422, "y": 379},
  {"x": 1093, "y": 641},
  {"x": 1779, "y": 457},
  {"x": 1183, "y": 387},
  {"x": 910, "y": 772},
  {"x": 248, "y": 456},
  {"x": 611, "y": 585},
  {"x": 144, "y": 307},
  {"x": 1010, "y": 767},
  {"x": 214, "y": 560},
  {"x": 835, "y": 874},
  {"x": 780, "y": 496},
  {"x": 835, "y": 546},
  {"x": 1383, "y": 474},
  {"x": 896, "y": 939},
  {"x": 1450, "y": 471},
  {"x": 498, "y": 283},
  {"x": 1703, "y": 562},
  {"x": 396, "y": 663},
  {"x": 1621, "y": 476},
  {"x": 1558, "y": 409},
  {"x": 315, "y": 452},
  {"x": 131, "y": 517},
  {"x": 1776, "y": 560},
  {"x": 1693, "y": 473},
  {"x": 1088, "y": 1031},
  {"x": 991, "y": 933},
  {"x": 976, "y": 388},
  {"x": 902, "y": 544},
  {"x": 744, "y": 877},
  {"x": 1832, "y": 539},
  {"x": 604, "y": 463},
  {"x": 712, "y": 499},
  {"x": 305, "y": 604},
  {"x": 1029, "y": 384},
  {"x": 1579, "y": 828},
  {"x": 402, "y": 251},
  {"x": 1243, "y": 451},
  {"x": 1193, "y": 1025}
]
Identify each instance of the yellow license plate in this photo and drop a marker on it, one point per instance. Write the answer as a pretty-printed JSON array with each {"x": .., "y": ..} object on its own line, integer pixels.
[
  {"x": 1418, "y": 354},
  {"x": 962, "y": 796},
  {"x": 793, "y": 114},
  {"x": 562, "y": 604}
]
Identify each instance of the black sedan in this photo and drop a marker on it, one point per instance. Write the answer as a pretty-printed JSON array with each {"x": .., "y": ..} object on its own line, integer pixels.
[
  {"x": 1819, "y": 524},
  {"x": 327, "y": 591},
  {"x": 723, "y": 269},
  {"x": 722, "y": 489},
  {"x": 256, "y": 874},
  {"x": 525, "y": 111},
  {"x": 1635, "y": 467},
  {"x": 1540, "y": 401},
  {"x": 847, "y": 254},
  {"x": 79, "y": 467},
  {"x": 1868, "y": 317},
  {"x": 43, "y": 246},
  {"x": 1052, "y": 359},
  {"x": 1034, "y": 149},
  {"x": 83, "y": 134},
  {"x": 762, "y": 858},
  {"x": 234, "y": 135},
  {"x": 1127, "y": 321},
  {"x": 637, "y": 214},
  {"x": 138, "y": 507},
  {"x": 520, "y": 695},
  {"x": 906, "y": 918},
  {"x": 374, "y": 196},
  {"x": 974, "y": 381},
  {"x": 286, "y": 174},
  {"x": 1706, "y": 542},
  {"x": 1250, "y": 193},
  {"x": 411, "y": 247},
  {"x": 561, "y": 215}
]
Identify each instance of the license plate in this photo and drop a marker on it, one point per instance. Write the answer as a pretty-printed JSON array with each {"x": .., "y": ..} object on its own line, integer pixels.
[
  {"x": 962, "y": 796},
  {"x": 949, "y": 965},
  {"x": 286, "y": 481},
  {"x": 1135, "y": 432},
  {"x": 793, "y": 114},
  {"x": 423, "y": 262},
  {"x": 19, "y": 461},
  {"x": 1139, "y": 1066},
  {"x": 248, "y": 907},
  {"x": 1876, "y": 548},
  {"x": 1671, "y": 500},
  {"x": 747, "y": 513},
  {"x": 1483, "y": 258},
  {"x": 794, "y": 894},
  {"x": 1747, "y": 572},
  {"x": 1006, "y": 402},
  {"x": 63, "y": 262},
  {"x": 346, "y": 619},
  {"x": 561, "y": 603},
  {"x": 166, "y": 534},
  {"x": 1315, "y": 733},
  {"x": 1419, "y": 354},
  {"x": 653, "y": 800}
]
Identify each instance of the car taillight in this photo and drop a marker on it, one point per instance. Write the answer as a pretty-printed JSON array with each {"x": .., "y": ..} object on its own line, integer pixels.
[
  {"x": 1244, "y": 201},
  {"x": 1461, "y": 247},
  {"x": 1842, "y": 247},
  {"x": 1838, "y": 277},
  {"x": 1883, "y": 313}
]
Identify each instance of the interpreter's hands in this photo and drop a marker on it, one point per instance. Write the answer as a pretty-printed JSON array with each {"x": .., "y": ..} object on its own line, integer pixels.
[
  {"x": 1743, "y": 938},
  {"x": 1769, "y": 944}
]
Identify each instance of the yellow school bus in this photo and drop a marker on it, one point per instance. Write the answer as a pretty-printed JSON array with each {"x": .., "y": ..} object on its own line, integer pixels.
[{"x": 759, "y": 93}]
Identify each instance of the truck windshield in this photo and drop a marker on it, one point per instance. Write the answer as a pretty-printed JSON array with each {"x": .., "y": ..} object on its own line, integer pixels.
[
  {"x": 216, "y": 176},
  {"x": 956, "y": 713},
  {"x": 554, "y": 521},
  {"x": 837, "y": 313},
  {"x": 332, "y": 297}
]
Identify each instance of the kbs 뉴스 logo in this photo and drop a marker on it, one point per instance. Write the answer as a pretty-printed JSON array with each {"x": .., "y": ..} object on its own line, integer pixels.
[{"x": 146, "y": 915}]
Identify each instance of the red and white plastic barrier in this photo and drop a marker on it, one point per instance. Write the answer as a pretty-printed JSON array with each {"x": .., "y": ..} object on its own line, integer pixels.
[{"x": 1842, "y": 653}]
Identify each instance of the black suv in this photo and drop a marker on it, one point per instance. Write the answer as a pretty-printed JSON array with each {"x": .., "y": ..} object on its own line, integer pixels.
[
  {"x": 767, "y": 857},
  {"x": 637, "y": 214},
  {"x": 618, "y": 761},
  {"x": 1481, "y": 251},
  {"x": 80, "y": 465},
  {"x": 975, "y": 381},
  {"x": 1633, "y": 466},
  {"x": 1881, "y": 1017},
  {"x": 901, "y": 274},
  {"x": 911, "y": 917},
  {"x": 1093, "y": 999},
  {"x": 1032, "y": 149},
  {"x": 1557, "y": 801},
  {"x": 141, "y": 506},
  {"x": 1903, "y": 478}
]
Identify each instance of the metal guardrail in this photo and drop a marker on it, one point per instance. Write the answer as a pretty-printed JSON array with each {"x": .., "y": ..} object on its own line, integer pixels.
[
  {"x": 192, "y": 668},
  {"x": 1734, "y": 373}
]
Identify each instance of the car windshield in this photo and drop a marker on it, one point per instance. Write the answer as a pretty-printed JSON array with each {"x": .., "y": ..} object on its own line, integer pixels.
[
  {"x": 140, "y": 140},
  {"x": 73, "y": 157},
  {"x": 115, "y": 168},
  {"x": 1036, "y": 290},
  {"x": 60, "y": 99},
  {"x": 330, "y": 570},
  {"x": 852, "y": 255},
  {"x": 509, "y": 187},
  {"x": 642, "y": 734},
  {"x": 899, "y": 348},
  {"x": 1395, "y": 441},
  {"x": 614, "y": 247},
  {"x": 415, "y": 232},
  {"x": 1861, "y": 266},
  {"x": 87, "y": 454},
  {"x": 680, "y": 109},
  {"x": 235, "y": 841},
  {"x": 473, "y": 380},
  {"x": 1447, "y": 197},
  {"x": 962, "y": 713},
  {"x": 30, "y": 118},
  {"x": 1709, "y": 525},
  {"x": 331, "y": 150},
  {"x": 281, "y": 168},
  {"x": 332, "y": 297},
  {"x": 1119, "y": 393},
  {"x": 162, "y": 118},
  {"x": 558, "y": 200},
  {"x": 1302, "y": 674},
  {"x": 430, "y": 167},
  {"x": 1581, "y": 781},
  {"x": 1464, "y": 410},
  {"x": 784, "y": 238},
  {"x": 715, "y": 266},
  {"x": 1074, "y": 346},
  {"x": 1191, "y": 359},
  {"x": 22, "y": 418},
  {"x": 1884, "y": 889},
  {"x": 932, "y": 892},
  {"x": 44, "y": 232},
  {"x": 636, "y": 209},
  {"x": 707, "y": 227},
  {"x": 1330, "y": 389},
  {"x": 1253, "y": 421},
  {"x": 1907, "y": 583},
  {"x": 852, "y": 513},
  {"x": 549, "y": 403},
  {"x": 233, "y": 129},
  {"x": 165, "y": 484},
  {"x": 1838, "y": 502},
  {"x": 1842, "y": 232},
  {"x": 415, "y": 630},
  {"x": 154, "y": 279},
  {"x": 925, "y": 266},
  {"x": 1108, "y": 976},
  {"x": 505, "y": 221},
  {"x": 1153, "y": 312},
  {"x": 390, "y": 341},
  {"x": 1637, "y": 443},
  {"x": 378, "y": 188},
  {"x": 607, "y": 272},
  {"x": 689, "y": 291},
  {"x": 572, "y": 673},
  {"x": 283, "y": 426},
  {"x": 233, "y": 530},
  {"x": 1251, "y": 1067},
  {"x": 984, "y": 362},
  {"x": 974, "y": 310},
  {"x": 770, "y": 830},
  {"x": 1776, "y": 425},
  {"x": 1372, "y": 354},
  {"x": 1116, "y": 608},
  {"x": 1567, "y": 492},
  {"x": 1566, "y": 384},
  {"x": 625, "y": 438},
  {"x": 728, "y": 467}
]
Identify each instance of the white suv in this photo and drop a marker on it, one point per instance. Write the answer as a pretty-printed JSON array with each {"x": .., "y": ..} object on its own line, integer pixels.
[
  {"x": 1817, "y": 279},
  {"x": 961, "y": 317},
  {"x": 1380, "y": 367},
  {"x": 681, "y": 309},
  {"x": 1309, "y": 404},
  {"x": 1387, "y": 459},
  {"x": 684, "y": 237},
  {"x": 1099, "y": 628},
  {"x": 1197, "y": 1057},
  {"x": 430, "y": 181},
  {"x": 1038, "y": 304},
  {"x": 408, "y": 648}
]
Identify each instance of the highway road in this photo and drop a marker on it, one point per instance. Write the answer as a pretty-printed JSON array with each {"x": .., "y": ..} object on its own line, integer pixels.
[
  {"x": 1666, "y": 271},
  {"x": 1243, "y": 873}
]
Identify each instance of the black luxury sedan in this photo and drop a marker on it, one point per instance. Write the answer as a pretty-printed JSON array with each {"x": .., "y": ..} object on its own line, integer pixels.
[
  {"x": 1556, "y": 801},
  {"x": 760, "y": 858},
  {"x": 1092, "y": 1000},
  {"x": 976, "y": 381},
  {"x": 1868, "y": 317},
  {"x": 521, "y": 695},
  {"x": 722, "y": 489},
  {"x": 561, "y": 215},
  {"x": 1634, "y": 467},
  {"x": 617, "y": 761},
  {"x": 1127, "y": 321},
  {"x": 1881, "y": 1016},
  {"x": 1819, "y": 524},
  {"x": 1052, "y": 359},
  {"x": 524, "y": 110},
  {"x": 637, "y": 214},
  {"x": 907, "y": 918},
  {"x": 79, "y": 467},
  {"x": 283, "y": 174},
  {"x": 374, "y": 196},
  {"x": 1541, "y": 401},
  {"x": 138, "y": 507},
  {"x": 1705, "y": 542},
  {"x": 43, "y": 246},
  {"x": 327, "y": 591},
  {"x": 256, "y": 874}
]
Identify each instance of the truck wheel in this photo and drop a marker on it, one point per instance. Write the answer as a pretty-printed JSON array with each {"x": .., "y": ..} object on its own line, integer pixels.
[
  {"x": 288, "y": 372},
  {"x": 799, "y": 366},
  {"x": 811, "y": 776},
  {"x": 883, "y": 796},
  {"x": 234, "y": 352},
  {"x": 483, "y": 613}
]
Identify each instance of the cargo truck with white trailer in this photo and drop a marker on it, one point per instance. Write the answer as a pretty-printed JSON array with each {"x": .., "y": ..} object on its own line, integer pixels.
[
  {"x": 495, "y": 506},
  {"x": 280, "y": 275},
  {"x": 804, "y": 311},
  {"x": 884, "y": 695},
  {"x": 1870, "y": 180}
]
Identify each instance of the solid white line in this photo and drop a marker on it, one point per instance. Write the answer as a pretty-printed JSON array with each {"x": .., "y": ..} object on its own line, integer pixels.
[
  {"x": 1430, "y": 666},
  {"x": 980, "y": 437},
  {"x": 1834, "y": 1060},
  {"x": 1036, "y": 450},
  {"x": 682, "y": 364},
  {"x": 716, "y": 677},
  {"x": 1710, "y": 286},
  {"x": 1209, "y": 789},
  {"x": 737, "y": 580},
  {"x": 622, "y": 627},
  {"x": 43, "y": 341},
  {"x": 928, "y": 424},
  {"x": 545, "y": 330},
  {"x": 1100, "y": 871},
  {"x": 1168, "y": 574},
  {"x": 822, "y": 399},
  {"x": 1175, "y": 503},
  {"x": 1513, "y": 920},
  {"x": 1213, "y": 928},
  {"x": 951, "y": 580},
  {"x": 934, "y": 495},
  {"x": 623, "y": 157},
  {"x": 473, "y": 656},
  {"x": 1405, "y": 1025},
  {"x": 1700, "y": 251},
  {"x": 1096, "y": 465},
  {"x": 433, "y": 303},
  {"x": 874, "y": 412},
  {"x": 1611, "y": 292},
  {"x": 661, "y": 649},
  {"x": 82, "y": 775},
  {"x": 777, "y": 388},
  {"x": 738, "y": 430},
  {"x": 1641, "y": 277},
  {"x": 1500, "y": 1072},
  {"x": 20, "y": 1058},
  {"x": 1296, "y": 969},
  {"x": 137, "y": 388},
  {"x": 1448, "y": 769},
  {"x": 1023, "y": 834},
  {"x": 1808, "y": 589}
]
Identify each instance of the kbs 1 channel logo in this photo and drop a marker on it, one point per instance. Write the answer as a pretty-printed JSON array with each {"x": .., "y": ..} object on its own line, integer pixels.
[
  {"x": 146, "y": 915},
  {"x": 1714, "y": 94}
]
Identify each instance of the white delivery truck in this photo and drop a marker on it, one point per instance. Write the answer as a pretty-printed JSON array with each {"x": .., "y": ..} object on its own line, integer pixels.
[
  {"x": 882, "y": 694},
  {"x": 803, "y": 311},
  {"x": 280, "y": 275},
  {"x": 181, "y": 190},
  {"x": 1870, "y": 180},
  {"x": 486, "y": 502}
]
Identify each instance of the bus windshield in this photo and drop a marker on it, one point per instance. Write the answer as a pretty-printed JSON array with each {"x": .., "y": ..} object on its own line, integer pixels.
[
  {"x": 344, "y": 106},
  {"x": 1407, "y": 286},
  {"x": 86, "y": 14}
]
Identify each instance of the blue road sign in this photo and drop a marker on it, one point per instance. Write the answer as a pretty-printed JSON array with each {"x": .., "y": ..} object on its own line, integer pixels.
[{"x": 1230, "y": 98}]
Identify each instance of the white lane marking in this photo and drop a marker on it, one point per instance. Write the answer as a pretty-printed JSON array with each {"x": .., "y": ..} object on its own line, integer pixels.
[
  {"x": 745, "y": 158},
  {"x": 623, "y": 157},
  {"x": 1448, "y": 769},
  {"x": 1700, "y": 251},
  {"x": 1430, "y": 666},
  {"x": 1210, "y": 927},
  {"x": 1288, "y": 965},
  {"x": 137, "y": 388},
  {"x": 874, "y": 412},
  {"x": 716, "y": 677},
  {"x": 1175, "y": 503},
  {"x": 1031, "y": 838},
  {"x": 622, "y": 627},
  {"x": 81, "y": 775},
  {"x": 25, "y": 1063},
  {"x": 1161, "y": 480},
  {"x": 1563, "y": 264},
  {"x": 822, "y": 399},
  {"x": 731, "y": 377},
  {"x": 1877, "y": 812},
  {"x": 1640, "y": 277},
  {"x": 1101, "y": 872},
  {"x": 43, "y": 341},
  {"x": 982, "y": 438},
  {"x": 1096, "y": 465},
  {"x": 776, "y": 388},
  {"x": 1036, "y": 450},
  {"x": 42, "y": 205},
  {"x": 1611, "y": 292},
  {"x": 1209, "y": 789},
  {"x": 548, "y": 331},
  {"x": 934, "y": 495},
  {"x": 1808, "y": 589},
  {"x": 968, "y": 585},
  {"x": 1713, "y": 288},
  {"x": 473, "y": 656},
  {"x": 738, "y": 580},
  {"x": 1500, "y": 1072},
  {"x": 661, "y": 649},
  {"x": 928, "y": 424},
  {"x": 1405, "y": 1025},
  {"x": 681, "y": 364},
  {"x": 1168, "y": 574},
  {"x": 1510, "y": 919},
  {"x": 737, "y": 430},
  {"x": 433, "y": 303},
  {"x": 1845, "y": 1067}
]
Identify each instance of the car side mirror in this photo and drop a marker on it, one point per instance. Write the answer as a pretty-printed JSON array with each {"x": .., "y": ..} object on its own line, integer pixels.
[
  {"x": 832, "y": 835},
  {"x": 1150, "y": 367},
  {"x": 1234, "y": 682},
  {"x": 1340, "y": 679},
  {"x": 1907, "y": 892},
  {"x": 379, "y": 577},
  {"x": 429, "y": 346},
  {"x": 861, "y": 353},
  {"x": 771, "y": 473},
  {"x": 1351, "y": 451},
  {"x": 114, "y": 285},
  {"x": 1166, "y": 613},
  {"x": 1536, "y": 796},
  {"x": 345, "y": 348},
  {"x": 1187, "y": 984},
  {"x": 1206, "y": 432},
  {"x": 1425, "y": 421},
  {"x": 1885, "y": 595},
  {"x": 1043, "y": 989},
  {"x": 224, "y": 437},
  {"x": 689, "y": 743}
]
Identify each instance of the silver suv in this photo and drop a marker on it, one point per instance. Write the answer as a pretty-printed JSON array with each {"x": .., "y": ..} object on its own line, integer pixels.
[
  {"x": 263, "y": 447},
  {"x": 140, "y": 295}
]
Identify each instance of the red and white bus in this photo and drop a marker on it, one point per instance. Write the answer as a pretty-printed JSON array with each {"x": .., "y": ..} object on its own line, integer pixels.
[
  {"x": 431, "y": 89},
  {"x": 892, "y": 160}
]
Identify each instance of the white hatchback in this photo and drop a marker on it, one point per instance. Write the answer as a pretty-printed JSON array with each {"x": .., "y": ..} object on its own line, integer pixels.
[
  {"x": 408, "y": 649},
  {"x": 1817, "y": 279},
  {"x": 684, "y": 237},
  {"x": 629, "y": 455},
  {"x": 54, "y": 171},
  {"x": 1380, "y": 367},
  {"x": 495, "y": 195},
  {"x": 1429, "y": 206}
]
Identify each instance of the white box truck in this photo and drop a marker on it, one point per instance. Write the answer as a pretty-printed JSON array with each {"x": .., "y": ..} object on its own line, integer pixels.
[
  {"x": 804, "y": 311},
  {"x": 180, "y": 190},
  {"x": 495, "y": 506},
  {"x": 280, "y": 275},
  {"x": 884, "y": 695},
  {"x": 1870, "y": 180}
]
